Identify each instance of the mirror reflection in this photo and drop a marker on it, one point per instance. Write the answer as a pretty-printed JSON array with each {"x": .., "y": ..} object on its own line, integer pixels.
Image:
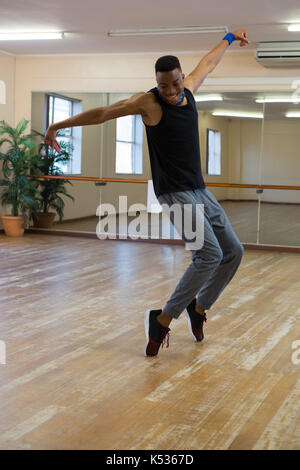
[
  {"x": 279, "y": 211},
  {"x": 230, "y": 130},
  {"x": 280, "y": 218}
]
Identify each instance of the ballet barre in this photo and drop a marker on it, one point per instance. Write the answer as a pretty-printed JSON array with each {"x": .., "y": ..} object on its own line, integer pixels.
[{"x": 122, "y": 180}]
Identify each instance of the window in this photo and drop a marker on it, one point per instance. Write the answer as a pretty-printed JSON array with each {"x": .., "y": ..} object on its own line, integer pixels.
[
  {"x": 59, "y": 109},
  {"x": 129, "y": 145},
  {"x": 213, "y": 152}
]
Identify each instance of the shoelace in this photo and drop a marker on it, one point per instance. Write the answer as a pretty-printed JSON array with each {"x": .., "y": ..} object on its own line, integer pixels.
[
  {"x": 166, "y": 340},
  {"x": 203, "y": 316}
]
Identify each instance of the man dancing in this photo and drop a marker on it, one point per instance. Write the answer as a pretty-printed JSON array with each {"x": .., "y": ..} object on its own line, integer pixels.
[{"x": 170, "y": 116}]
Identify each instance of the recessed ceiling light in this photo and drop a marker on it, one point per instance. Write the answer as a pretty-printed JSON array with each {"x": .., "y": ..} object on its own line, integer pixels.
[
  {"x": 245, "y": 114},
  {"x": 16, "y": 36},
  {"x": 199, "y": 98},
  {"x": 293, "y": 114},
  {"x": 294, "y": 27},
  {"x": 158, "y": 31},
  {"x": 278, "y": 100}
]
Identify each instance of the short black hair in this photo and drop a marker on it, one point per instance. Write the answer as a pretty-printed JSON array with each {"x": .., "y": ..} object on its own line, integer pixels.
[{"x": 167, "y": 63}]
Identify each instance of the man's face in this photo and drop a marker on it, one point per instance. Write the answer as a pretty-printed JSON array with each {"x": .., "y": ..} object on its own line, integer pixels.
[{"x": 170, "y": 85}]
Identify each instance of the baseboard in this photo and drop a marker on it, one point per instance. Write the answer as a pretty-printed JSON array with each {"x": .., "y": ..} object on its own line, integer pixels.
[{"x": 73, "y": 233}]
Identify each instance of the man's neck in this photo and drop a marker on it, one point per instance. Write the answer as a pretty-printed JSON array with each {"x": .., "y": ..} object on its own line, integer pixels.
[{"x": 178, "y": 103}]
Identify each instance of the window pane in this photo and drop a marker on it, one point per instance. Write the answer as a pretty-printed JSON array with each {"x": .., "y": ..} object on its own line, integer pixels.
[
  {"x": 138, "y": 147},
  {"x": 138, "y": 159},
  {"x": 67, "y": 140},
  {"x": 217, "y": 153},
  {"x": 62, "y": 167},
  {"x": 67, "y": 132},
  {"x": 210, "y": 152},
  {"x": 124, "y": 128},
  {"x": 123, "y": 158},
  {"x": 65, "y": 167},
  {"x": 62, "y": 110},
  {"x": 50, "y": 109},
  {"x": 214, "y": 152}
]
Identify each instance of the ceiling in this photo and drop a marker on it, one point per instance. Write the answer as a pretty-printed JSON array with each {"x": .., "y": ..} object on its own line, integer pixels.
[{"x": 87, "y": 22}]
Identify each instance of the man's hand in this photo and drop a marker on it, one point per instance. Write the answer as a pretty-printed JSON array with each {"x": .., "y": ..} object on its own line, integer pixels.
[
  {"x": 51, "y": 140},
  {"x": 242, "y": 35}
]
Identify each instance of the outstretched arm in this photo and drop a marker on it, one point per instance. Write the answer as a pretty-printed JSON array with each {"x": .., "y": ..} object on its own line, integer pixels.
[
  {"x": 208, "y": 63},
  {"x": 134, "y": 105}
]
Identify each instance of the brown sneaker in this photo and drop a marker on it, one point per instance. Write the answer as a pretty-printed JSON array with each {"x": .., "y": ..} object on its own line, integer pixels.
[
  {"x": 195, "y": 321},
  {"x": 156, "y": 334}
]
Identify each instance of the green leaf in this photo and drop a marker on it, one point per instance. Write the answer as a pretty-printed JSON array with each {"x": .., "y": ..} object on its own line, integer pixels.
[
  {"x": 28, "y": 142},
  {"x": 22, "y": 158},
  {"x": 3, "y": 141},
  {"x": 21, "y": 126},
  {"x": 5, "y": 128}
]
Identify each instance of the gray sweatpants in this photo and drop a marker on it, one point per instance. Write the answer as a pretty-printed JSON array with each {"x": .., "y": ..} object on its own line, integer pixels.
[{"x": 214, "y": 265}]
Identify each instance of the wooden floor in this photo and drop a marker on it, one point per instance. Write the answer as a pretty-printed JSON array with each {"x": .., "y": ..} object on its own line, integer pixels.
[{"x": 75, "y": 374}]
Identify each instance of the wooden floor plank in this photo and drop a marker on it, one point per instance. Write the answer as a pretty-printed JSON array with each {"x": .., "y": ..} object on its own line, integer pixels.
[{"x": 75, "y": 374}]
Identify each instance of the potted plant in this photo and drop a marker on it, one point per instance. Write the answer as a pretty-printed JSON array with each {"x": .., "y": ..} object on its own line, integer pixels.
[
  {"x": 20, "y": 191},
  {"x": 49, "y": 162}
]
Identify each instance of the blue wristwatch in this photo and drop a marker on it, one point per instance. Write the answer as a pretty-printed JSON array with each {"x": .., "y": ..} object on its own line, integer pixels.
[{"x": 230, "y": 37}]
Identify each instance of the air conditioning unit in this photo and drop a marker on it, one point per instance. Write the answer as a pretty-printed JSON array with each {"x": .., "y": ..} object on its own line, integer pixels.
[{"x": 278, "y": 53}]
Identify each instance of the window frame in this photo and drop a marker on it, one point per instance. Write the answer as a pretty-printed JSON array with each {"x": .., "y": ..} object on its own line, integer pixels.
[
  {"x": 71, "y": 137},
  {"x": 135, "y": 143}
]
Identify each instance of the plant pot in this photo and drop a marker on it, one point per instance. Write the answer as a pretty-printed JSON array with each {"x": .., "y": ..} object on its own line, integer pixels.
[
  {"x": 44, "y": 219},
  {"x": 13, "y": 225}
]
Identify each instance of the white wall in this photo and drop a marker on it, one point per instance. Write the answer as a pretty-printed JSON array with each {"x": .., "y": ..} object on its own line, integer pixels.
[{"x": 7, "y": 110}]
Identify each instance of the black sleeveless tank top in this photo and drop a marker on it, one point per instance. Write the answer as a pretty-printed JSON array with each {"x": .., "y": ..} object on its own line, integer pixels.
[{"x": 174, "y": 148}]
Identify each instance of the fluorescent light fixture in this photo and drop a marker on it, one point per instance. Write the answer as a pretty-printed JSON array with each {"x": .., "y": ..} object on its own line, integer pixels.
[
  {"x": 278, "y": 100},
  {"x": 293, "y": 114},
  {"x": 294, "y": 27},
  {"x": 16, "y": 36},
  {"x": 158, "y": 31},
  {"x": 245, "y": 114},
  {"x": 199, "y": 98}
]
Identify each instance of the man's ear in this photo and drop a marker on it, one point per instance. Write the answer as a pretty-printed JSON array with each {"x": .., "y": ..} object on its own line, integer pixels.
[{"x": 183, "y": 76}]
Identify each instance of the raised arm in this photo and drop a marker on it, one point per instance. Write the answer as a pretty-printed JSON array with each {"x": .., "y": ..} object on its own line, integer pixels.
[
  {"x": 136, "y": 104},
  {"x": 208, "y": 63}
]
